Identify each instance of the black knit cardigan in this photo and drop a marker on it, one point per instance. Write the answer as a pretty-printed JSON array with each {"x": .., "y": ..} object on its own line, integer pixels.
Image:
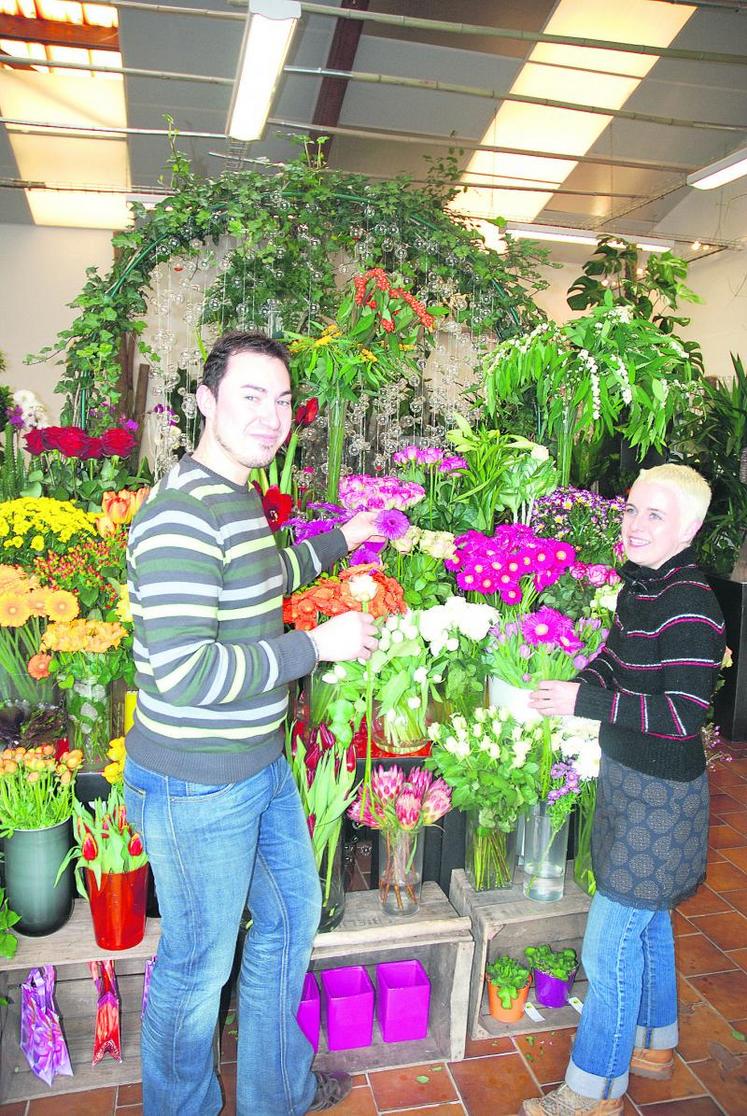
[{"x": 652, "y": 683}]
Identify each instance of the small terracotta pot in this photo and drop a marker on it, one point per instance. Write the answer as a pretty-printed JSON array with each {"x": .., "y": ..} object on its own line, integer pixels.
[{"x": 507, "y": 1015}]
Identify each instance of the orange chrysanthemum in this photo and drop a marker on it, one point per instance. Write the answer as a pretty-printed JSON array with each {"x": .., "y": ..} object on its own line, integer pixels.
[{"x": 14, "y": 610}]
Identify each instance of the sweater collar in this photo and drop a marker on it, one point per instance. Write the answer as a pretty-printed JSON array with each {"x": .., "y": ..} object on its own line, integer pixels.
[{"x": 633, "y": 574}]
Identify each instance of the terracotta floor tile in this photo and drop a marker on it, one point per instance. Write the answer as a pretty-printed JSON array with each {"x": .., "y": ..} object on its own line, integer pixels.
[
  {"x": 725, "y": 836},
  {"x": 681, "y": 925},
  {"x": 696, "y": 955},
  {"x": 740, "y": 956},
  {"x": 480, "y": 1048},
  {"x": 686, "y": 994},
  {"x": 715, "y": 856},
  {"x": 682, "y": 1084},
  {"x": 727, "y": 992},
  {"x": 737, "y": 821},
  {"x": 396, "y": 1088},
  {"x": 736, "y": 790},
  {"x": 695, "y": 1106},
  {"x": 723, "y": 803},
  {"x": 456, "y": 1108},
  {"x": 701, "y": 1027},
  {"x": 17, "y": 1108},
  {"x": 725, "y": 877},
  {"x": 704, "y": 901},
  {"x": 130, "y": 1110},
  {"x": 228, "y": 1081},
  {"x": 129, "y": 1094},
  {"x": 547, "y": 1053},
  {"x": 359, "y": 1102},
  {"x": 736, "y": 856},
  {"x": 726, "y": 1080},
  {"x": 737, "y": 899},
  {"x": 493, "y": 1086},
  {"x": 97, "y": 1102},
  {"x": 727, "y": 930}
]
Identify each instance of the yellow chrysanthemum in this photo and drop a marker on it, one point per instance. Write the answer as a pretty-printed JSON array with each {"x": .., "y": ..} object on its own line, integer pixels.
[{"x": 123, "y": 610}]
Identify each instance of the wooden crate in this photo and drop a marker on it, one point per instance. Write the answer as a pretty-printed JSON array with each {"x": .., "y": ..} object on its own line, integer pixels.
[
  {"x": 436, "y": 935},
  {"x": 506, "y": 922}
]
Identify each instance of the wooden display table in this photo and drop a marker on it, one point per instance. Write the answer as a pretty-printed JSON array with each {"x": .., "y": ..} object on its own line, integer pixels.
[
  {"x": 436, "y": 935},
  {"x": 506, "y": 922}
]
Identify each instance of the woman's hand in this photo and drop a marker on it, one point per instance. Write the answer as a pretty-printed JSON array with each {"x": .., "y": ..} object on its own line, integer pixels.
[{"x": 554, "y": 699}]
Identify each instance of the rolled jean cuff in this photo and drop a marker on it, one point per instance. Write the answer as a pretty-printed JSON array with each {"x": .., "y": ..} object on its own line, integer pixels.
[
  {"x": 657, "y": 1038},
  {"x": 593, "y": 1086}
]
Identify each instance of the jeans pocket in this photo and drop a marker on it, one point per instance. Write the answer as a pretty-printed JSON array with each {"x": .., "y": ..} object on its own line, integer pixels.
[
  {"x": 134, "y": 799},
  {"x": 204, "y": 790}
]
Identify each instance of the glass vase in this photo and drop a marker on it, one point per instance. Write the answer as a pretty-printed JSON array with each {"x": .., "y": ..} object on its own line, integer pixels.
[
  {"x": 333, "y": 887},
  {"x": 400, "y": 870},
  {"x": 89, "y": 720},
  {"x": 545, "y": 854},
  {"x": 118, "y": 907},
  {"x": 583, "y": 873},
  {"x": 32, "y": 861},
  {"x": 489, "y": 855}
]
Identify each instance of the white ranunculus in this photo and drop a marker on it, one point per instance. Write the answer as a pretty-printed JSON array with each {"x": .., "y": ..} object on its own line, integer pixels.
[{"x": 362, "y": 588}]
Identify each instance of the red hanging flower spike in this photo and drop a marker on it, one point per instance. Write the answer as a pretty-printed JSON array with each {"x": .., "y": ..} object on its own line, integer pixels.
[{"x": 277, "y": 507}]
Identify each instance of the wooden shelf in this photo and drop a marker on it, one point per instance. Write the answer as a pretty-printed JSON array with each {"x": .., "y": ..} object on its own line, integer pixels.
[
  {"x": 75, "y": 943},
  {"x": 506, "y": 922}
]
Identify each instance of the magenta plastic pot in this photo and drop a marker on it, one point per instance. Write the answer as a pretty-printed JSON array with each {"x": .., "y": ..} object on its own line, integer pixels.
[
  {"x": 402, "y": 1001},
  {"x": 551, "y": 991},
  {"x": 309, "y": 1010},
  {"x": 348, "y": 996}
]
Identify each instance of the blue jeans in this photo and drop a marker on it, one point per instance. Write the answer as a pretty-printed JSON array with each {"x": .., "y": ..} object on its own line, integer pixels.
[
  {"x": 213, "y": 849},
  {"x": 628, "y": 955}
]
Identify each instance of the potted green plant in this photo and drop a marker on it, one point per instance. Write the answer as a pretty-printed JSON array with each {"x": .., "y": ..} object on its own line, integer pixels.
[
  {"x": 508, "y": 988},
  {"x": 110, "y": 857},
  {"x": 554, "y": 972},
  {"x": 36, "y": 805},
  {"x": 8, "y": 918}
]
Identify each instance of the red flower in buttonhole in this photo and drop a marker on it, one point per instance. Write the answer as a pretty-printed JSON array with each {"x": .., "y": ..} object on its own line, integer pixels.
[
  {"x": 306, "y": 412},
  {"x": 117, "y": 442},
  {"x": 135, "y": 845},
  {"x": 277, "y": 506},
  {"x": 35, "y": 442}
]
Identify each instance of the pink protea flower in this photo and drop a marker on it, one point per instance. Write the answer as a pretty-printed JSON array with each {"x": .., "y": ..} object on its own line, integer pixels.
[
  {"x": 436, "y": 803},
  {"x": 387, "y": 782},
  {"x": 419, "y": 780},
  {"x": 367, "y": 818},
  {"x": 407, "y": 809}
]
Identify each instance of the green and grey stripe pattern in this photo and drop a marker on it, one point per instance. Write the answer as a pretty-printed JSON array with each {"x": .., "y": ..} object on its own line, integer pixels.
[{"x": 206, "y": 583}]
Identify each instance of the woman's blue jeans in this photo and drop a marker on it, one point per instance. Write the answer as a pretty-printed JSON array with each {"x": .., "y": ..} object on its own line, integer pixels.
[
  {"x": 213, "y": 850},
  {"x": 628, "y": 955}
]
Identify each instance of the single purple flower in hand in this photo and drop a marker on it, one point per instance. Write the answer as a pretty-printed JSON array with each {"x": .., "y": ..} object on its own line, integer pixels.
[
  {"x": 367, "y": 553},
  {"x": 392, "y": 524}
]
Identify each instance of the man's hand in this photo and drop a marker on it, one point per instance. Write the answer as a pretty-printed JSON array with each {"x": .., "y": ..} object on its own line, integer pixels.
[
  {"x": 344, "y": 638},
  {"x": 554, "y": 699},
  {"x": 360, "y": 529}
]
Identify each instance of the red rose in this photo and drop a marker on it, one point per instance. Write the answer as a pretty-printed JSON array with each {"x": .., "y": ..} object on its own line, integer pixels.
[
  {"x": 92, "y": 449},
  {"x": 117, "y": 442},
  {"x": 35, "y": 442},
  {"x": 71, "y": 440},
  {"x": 51, "y": 437}
]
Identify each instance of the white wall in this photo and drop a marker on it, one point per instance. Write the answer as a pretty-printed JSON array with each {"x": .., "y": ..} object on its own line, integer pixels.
[{"x": 42, "y": 271}]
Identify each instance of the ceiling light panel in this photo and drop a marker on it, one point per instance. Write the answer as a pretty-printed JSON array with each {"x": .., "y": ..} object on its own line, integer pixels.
[{"x": 566, "y": 73}]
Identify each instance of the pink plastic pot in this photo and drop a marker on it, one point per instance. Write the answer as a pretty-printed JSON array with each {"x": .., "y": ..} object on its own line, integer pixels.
[
  {"x": 309, "y": 1010},
  {"x": 348, "y": 996},
  {"x": 403, "y": 1000},
  {"x": 551, "y": 991}
]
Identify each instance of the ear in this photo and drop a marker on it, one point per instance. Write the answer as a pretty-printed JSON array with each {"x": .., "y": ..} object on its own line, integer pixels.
[
  {"x": 205, "y": 400},
  {"x": 691, "y": 529}
]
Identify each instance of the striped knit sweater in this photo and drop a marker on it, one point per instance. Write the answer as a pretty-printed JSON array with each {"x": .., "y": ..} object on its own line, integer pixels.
[
  {"x": 653, "y": 681},
  {"x": 213, "y": 663}
]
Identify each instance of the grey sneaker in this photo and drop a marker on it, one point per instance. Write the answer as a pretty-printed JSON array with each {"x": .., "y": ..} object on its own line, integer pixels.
[
  {"x": 331, "y": 1089},
  {"x": 564, "y": 1102}
]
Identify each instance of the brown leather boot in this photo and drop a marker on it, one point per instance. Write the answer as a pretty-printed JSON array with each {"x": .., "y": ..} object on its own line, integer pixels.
[
  {"x": 565, "y": 1102},
  {"x": 656, "y": 1064}
]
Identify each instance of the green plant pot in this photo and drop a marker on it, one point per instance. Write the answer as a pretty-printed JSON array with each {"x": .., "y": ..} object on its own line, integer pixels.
[{"x": 32, "y": 860}]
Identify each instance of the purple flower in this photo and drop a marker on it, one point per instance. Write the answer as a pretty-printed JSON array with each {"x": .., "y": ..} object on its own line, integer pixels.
[
  {"x": 367, "y": 553},
  {"x": 14, "y": 416},
  {"x": 452, "y": 463},
  {"x": 580, "y": 661},
  {"x": 392, "y": 524}
]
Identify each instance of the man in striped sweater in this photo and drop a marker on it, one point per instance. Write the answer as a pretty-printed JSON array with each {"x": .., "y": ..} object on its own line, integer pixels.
[
  {"x": 650, "y": 688},
  {"x": 206, "y": 781}
]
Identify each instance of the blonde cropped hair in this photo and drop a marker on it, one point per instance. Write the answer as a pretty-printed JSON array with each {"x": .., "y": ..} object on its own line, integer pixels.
[{"x": 693, "y": 491}]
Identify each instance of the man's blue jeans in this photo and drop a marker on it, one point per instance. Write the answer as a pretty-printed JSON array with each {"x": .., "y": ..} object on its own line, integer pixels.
[
  {"x": 628, "y": 955},
  {"x": 213, "y": 849}
]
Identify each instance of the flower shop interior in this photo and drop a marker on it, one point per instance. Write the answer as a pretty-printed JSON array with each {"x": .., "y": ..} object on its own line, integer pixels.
[{"x": 505, "y": 244}]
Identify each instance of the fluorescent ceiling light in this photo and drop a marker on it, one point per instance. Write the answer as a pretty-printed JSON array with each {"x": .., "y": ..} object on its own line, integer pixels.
[
  {"x": 82, "y": 209},
  {"x": 718, "y": 174},
  {"x": 558, "y": 234},
  {"x": 267, "y": 37},
  {"x": 575, "y": 74}
]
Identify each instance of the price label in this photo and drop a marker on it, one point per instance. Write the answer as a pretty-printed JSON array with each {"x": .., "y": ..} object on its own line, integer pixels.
[
  {"x": 576, "y": 1003},
  {"x": 531, "y": 1011}
]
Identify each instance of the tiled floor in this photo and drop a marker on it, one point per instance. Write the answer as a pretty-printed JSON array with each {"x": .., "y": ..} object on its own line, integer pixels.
[{"x": 497, "y": 1074}]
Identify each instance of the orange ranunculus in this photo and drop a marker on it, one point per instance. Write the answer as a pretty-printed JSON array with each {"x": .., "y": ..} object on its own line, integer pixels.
[
  {"x": 14, "y": 610},
  {"x": 62, "y": 605},
  {"x": 38, "y": 666}
]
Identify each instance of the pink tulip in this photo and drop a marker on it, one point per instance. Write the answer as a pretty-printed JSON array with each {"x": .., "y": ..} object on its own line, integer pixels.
[
  {"x": 407, "y": 809},
  {"x": 437, "y": 802},
  {"x": 387, "y": 782}
]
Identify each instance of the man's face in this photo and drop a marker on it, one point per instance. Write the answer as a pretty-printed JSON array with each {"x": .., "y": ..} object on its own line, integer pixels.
[
  {"x": 654, "y": 526},
  {"x": 251, "y": 417}
]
